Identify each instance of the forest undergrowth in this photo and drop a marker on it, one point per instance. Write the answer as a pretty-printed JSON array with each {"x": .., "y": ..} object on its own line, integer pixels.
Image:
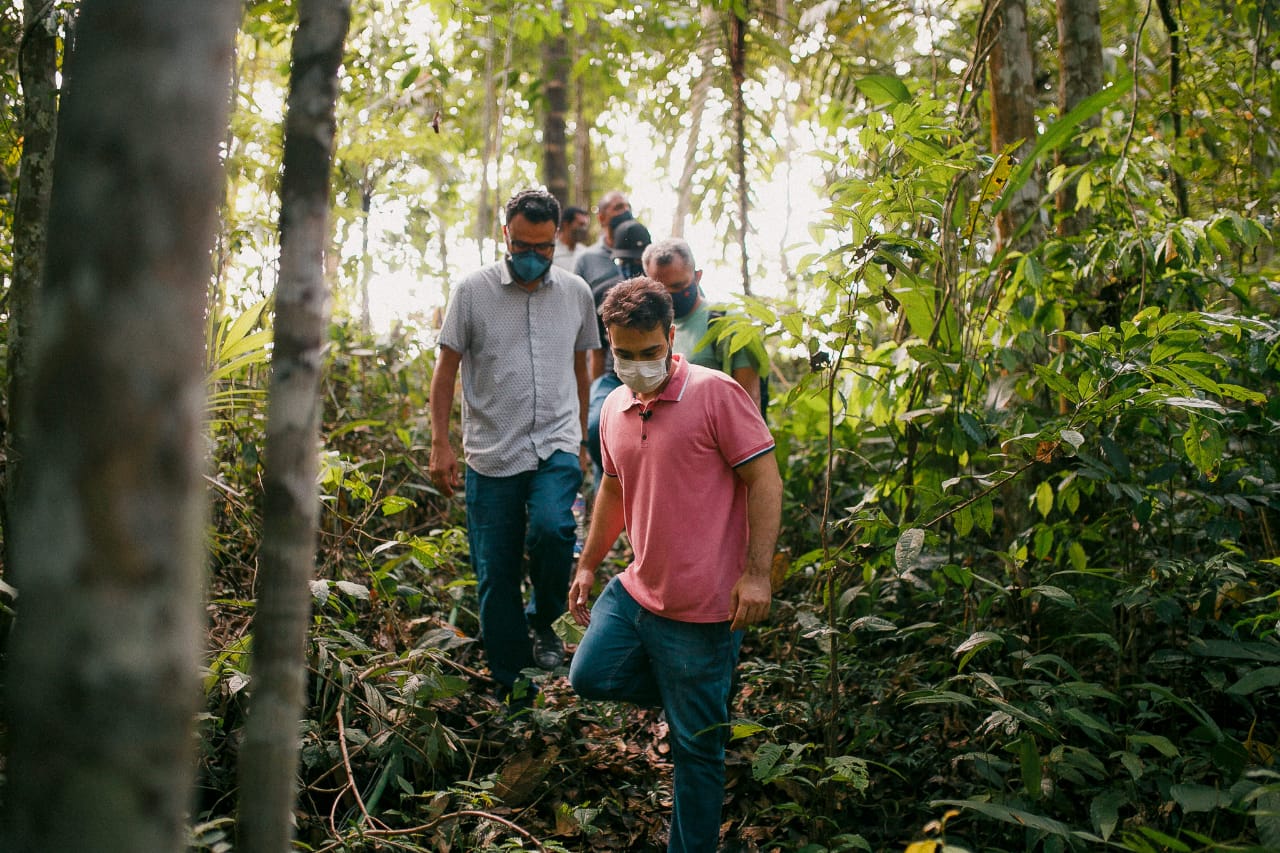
[{"x": 903, "y": 696}]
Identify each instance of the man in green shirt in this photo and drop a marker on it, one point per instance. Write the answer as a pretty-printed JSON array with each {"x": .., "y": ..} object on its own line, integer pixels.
[{"x": 670, "y": 262}]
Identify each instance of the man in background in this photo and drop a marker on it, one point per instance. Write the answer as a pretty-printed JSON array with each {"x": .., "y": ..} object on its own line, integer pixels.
[
  {"x": 595, "y": 264},
  {"x": 519, "y": 330},
  {"x": 572, "y": 239},
  {"x": 670, "y": 262},
  {"x": 630, "y": 239}
]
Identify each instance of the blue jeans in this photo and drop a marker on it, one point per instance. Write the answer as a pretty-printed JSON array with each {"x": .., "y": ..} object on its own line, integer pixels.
[
  {"x": 632, "y": 655},
  {"x": 601, "y": 387},
  {"x": 506, "y": 516}
]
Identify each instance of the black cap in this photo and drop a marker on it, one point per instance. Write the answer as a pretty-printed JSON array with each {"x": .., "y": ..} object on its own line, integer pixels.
[{"x": 630, "y": 239}]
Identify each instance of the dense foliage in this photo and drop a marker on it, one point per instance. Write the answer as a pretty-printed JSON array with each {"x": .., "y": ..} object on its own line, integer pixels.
[{"x": 1027, "y": 595}]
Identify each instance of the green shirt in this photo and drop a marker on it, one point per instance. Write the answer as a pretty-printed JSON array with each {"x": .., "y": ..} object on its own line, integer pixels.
[{"x": 692, "y": 328}]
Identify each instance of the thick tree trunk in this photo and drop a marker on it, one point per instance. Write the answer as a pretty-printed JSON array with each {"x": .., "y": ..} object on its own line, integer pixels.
[
  {"x": 269, "y": 754},
  {"x": 1080, "y": 70},
  {"x": 1012, "y": 74},
  {"x": 102, "y": 687},
  {"x": 37, "y": 68},
  {"x": 555, "y": 155}
]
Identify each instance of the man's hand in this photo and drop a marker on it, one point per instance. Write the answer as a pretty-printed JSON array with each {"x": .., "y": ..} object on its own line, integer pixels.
[
  {"x": 584, "y": 459},
  {"x": 579, "y": 593},
  {"x": 443, "y": 469},
  {"x": 750, "y": 601}
]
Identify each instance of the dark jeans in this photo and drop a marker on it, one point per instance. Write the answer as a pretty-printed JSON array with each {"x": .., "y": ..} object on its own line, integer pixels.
[
  {"x": 507, "y": 516},
  {"x": 632, "y": 655}
]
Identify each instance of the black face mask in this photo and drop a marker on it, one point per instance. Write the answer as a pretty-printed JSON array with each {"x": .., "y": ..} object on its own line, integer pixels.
[
  {"x": 682, "y": 301},
  {"x": 628, "y": 268},
  {"x": 619, "y": 219}
]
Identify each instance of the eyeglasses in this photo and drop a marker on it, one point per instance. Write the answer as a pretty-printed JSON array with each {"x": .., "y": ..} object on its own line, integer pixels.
[{"x": 522, "y": 246}]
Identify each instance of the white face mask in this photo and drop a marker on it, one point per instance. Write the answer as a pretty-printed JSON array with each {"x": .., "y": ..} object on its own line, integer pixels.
[{"x": 641, "y": 376}]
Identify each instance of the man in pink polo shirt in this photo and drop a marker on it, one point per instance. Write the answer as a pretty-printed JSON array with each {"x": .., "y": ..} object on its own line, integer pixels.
[{"x": 690, "y": 473}]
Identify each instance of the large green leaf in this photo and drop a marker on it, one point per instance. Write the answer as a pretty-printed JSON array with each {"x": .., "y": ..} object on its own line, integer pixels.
[{"x": 1058, "y": 134}]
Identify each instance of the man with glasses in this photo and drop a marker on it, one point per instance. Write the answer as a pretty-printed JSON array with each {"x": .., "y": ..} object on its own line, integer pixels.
[{"x": 519, "y": 330}]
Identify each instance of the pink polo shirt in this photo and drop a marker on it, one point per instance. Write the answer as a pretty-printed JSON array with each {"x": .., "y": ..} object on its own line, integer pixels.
[{"x": 685, "y": 508}]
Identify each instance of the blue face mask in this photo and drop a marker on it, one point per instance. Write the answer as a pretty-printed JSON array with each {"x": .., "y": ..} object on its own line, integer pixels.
[{"x": 529, "y": 266}]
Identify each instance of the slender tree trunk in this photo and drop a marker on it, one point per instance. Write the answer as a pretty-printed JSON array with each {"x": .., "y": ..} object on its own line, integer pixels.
[
  {"x": 555, "y": 155},
  {"x": 1176, "y": 183},
  {"x": 366, "y": 260},
  {"x": 1080, "y": 70},
  {"x": 1013, "y": 115},
  {"x": 269, "y": 754},
  {"x": 37, "y": 71},
  {"x": 102, "y": 685},
  {"x": 737, "y": 64},
  {"x": 697, "y": 108},
  {"x": 583, "y": 186},
  {"x": 488, "y": 124}
]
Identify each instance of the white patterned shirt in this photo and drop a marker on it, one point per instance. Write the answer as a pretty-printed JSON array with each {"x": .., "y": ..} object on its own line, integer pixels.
[{"x": 519, "y": 390}]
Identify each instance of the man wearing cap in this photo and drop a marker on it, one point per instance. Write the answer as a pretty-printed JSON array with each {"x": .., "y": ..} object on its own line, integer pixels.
[
  {"x": 684, "y": 450},
  {"x": 670, "y": 263},
  {"x": 519, "y": 330},
  {"x": 595, "y": 264}
]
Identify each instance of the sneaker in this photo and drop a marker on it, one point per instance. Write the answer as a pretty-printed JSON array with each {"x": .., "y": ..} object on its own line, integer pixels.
[{"x": 548, "y": 651}]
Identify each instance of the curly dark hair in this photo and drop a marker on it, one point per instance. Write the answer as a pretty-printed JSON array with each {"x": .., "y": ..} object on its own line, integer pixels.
[
  {"x": 535, "y": 205},
  {"x": 638, "y": 303}
]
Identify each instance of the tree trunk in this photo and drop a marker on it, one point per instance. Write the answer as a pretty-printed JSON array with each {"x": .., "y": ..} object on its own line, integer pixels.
[
  {"x": 269, "y": 754},
  {"x": 737, "y": 64},
  {"x": 555, "y": 155},
  {"x": 582, "y": 183},
  {"x": 37, "y": 69},
  {"x": 1080, "y": 70},
  {"x": 697, "y": 108},
  {"x": 1013, "y": 116},
  {"x": 1176, "y": 183},
  {"x": 102, "y": 687}
]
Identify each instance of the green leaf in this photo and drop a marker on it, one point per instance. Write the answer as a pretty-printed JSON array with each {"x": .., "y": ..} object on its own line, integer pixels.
[
  {"x": 354, "y": 590},
  {"x": 976, "y": 642},
  {"x": 1267, "y": 817},
  {"x": 1057, "y": 382},
  {"x": 568, "y": 629},
  {"x": 1160, "y": 743},
  {"x": 906, "y": 555},
  {"x": 1073, "y": 438},
  {"x": 883, "y": 89},
  {"x": 1044, "y": 499},
  {"x": 1016, "y": 817},
  {"x": 1029, "y": 765},
  {"x": 738, "y": 731},
  {"x": 1268, "y": 676},
  {"x": 392, "y": 504},
  {"x": 1199, "y": 798},
  {"x": 1104, "y": 812},
  {"x": 1057, "y": 595},
  {"x": 1058, "y": 134}
]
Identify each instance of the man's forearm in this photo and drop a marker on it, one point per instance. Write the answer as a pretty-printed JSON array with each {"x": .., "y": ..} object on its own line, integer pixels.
[
  {"x": 607, "y": 521},
  {"x": 764, "y": 514}
]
